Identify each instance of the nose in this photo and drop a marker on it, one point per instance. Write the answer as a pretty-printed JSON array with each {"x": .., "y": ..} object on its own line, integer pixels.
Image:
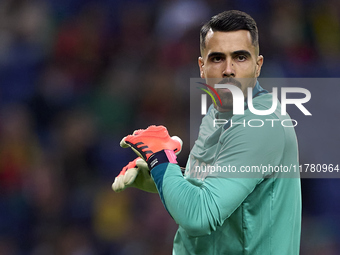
[{"x": 228, "y": 70}]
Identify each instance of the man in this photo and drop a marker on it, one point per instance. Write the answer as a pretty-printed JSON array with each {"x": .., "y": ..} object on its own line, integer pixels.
[{"x": 221, "y": 212}]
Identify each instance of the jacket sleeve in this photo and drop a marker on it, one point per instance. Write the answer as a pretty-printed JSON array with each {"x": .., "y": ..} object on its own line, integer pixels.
[{"x": 199, "y": 209}]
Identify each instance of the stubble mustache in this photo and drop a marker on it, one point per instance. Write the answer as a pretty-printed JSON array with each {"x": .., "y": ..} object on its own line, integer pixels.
[
  {"x": 231, "y": 81},
  {"x": 226, "y": 97}
]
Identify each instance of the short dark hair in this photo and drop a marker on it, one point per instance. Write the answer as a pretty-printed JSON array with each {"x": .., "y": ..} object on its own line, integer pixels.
[{"x": 230, "y": 21}]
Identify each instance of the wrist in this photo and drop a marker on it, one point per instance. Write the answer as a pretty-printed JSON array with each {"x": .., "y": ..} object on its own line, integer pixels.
[{"x": 160, "y": 157}]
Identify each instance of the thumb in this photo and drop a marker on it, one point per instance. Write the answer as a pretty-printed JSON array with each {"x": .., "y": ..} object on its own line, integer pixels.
[
  {"x": 176, "y": 138},
  {"x": 130, "y": 176},
  {"x": 142, "y": 165}
]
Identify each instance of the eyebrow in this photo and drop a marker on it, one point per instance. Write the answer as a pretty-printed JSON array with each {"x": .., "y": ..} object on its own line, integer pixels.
[
  {"x": 216, "y": 54},
  {"x": 241, "y": 52},
  {"x": 234, "y": 53}
]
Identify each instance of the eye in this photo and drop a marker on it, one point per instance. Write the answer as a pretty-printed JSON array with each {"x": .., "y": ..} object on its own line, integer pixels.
[
  {"x": 241, "y": 58},
  {"x": 216, "y": 59}
]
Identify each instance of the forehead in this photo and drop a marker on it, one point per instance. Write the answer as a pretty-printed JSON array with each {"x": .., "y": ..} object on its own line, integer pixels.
[{"x": 228, "y": 42}]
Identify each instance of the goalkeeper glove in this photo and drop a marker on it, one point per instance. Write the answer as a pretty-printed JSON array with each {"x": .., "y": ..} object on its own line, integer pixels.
[
  {"x": 154, "y": 145},
  {"x": 136, "y": 173}
]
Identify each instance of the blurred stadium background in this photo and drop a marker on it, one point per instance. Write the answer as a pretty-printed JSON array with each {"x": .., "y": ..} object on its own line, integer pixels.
[{"x": 78, "y": 75}]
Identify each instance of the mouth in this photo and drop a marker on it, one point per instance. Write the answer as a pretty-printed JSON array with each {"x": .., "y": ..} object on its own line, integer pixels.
[
  {"x": 225, "y": 90},
  {"x": 228, "y": 81}
]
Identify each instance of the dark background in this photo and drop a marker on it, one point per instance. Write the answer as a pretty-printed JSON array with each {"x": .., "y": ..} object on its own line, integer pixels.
[{"x": 78, "y": 75}]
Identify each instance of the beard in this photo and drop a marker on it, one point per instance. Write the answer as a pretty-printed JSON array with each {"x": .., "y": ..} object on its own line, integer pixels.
[{"x": 226, "y": 95}]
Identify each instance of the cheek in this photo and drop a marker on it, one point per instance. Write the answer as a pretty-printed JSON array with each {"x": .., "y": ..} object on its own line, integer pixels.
[
  {"x": 248, "y": 71},
  {"x": 212, "y": 71}
]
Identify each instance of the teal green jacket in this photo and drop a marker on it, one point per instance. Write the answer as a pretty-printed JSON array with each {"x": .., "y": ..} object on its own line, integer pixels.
[{"x": 224, "y": 207}]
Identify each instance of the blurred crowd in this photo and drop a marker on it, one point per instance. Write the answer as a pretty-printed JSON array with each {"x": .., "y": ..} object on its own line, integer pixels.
[{"x": 78, "y": 75}]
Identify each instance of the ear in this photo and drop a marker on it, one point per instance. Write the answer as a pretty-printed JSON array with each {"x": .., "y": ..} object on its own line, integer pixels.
[
  {"x": 201, "y": 65},
  {"x": 259, "y": 64}
]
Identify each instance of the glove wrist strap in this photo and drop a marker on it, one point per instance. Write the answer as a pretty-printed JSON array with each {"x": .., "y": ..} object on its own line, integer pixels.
[{"x": 164, "y": 156}]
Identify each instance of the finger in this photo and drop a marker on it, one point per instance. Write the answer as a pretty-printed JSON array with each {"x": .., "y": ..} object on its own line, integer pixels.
[
  {"x": 136, "y": 132},
  {"x": 130, "y": 176},
  {"x": 179, "y": 140},
  {"x": 123, "y": 144},
  {"x": 118, "y": 184},
  {"x": 141, "y": 164}
]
